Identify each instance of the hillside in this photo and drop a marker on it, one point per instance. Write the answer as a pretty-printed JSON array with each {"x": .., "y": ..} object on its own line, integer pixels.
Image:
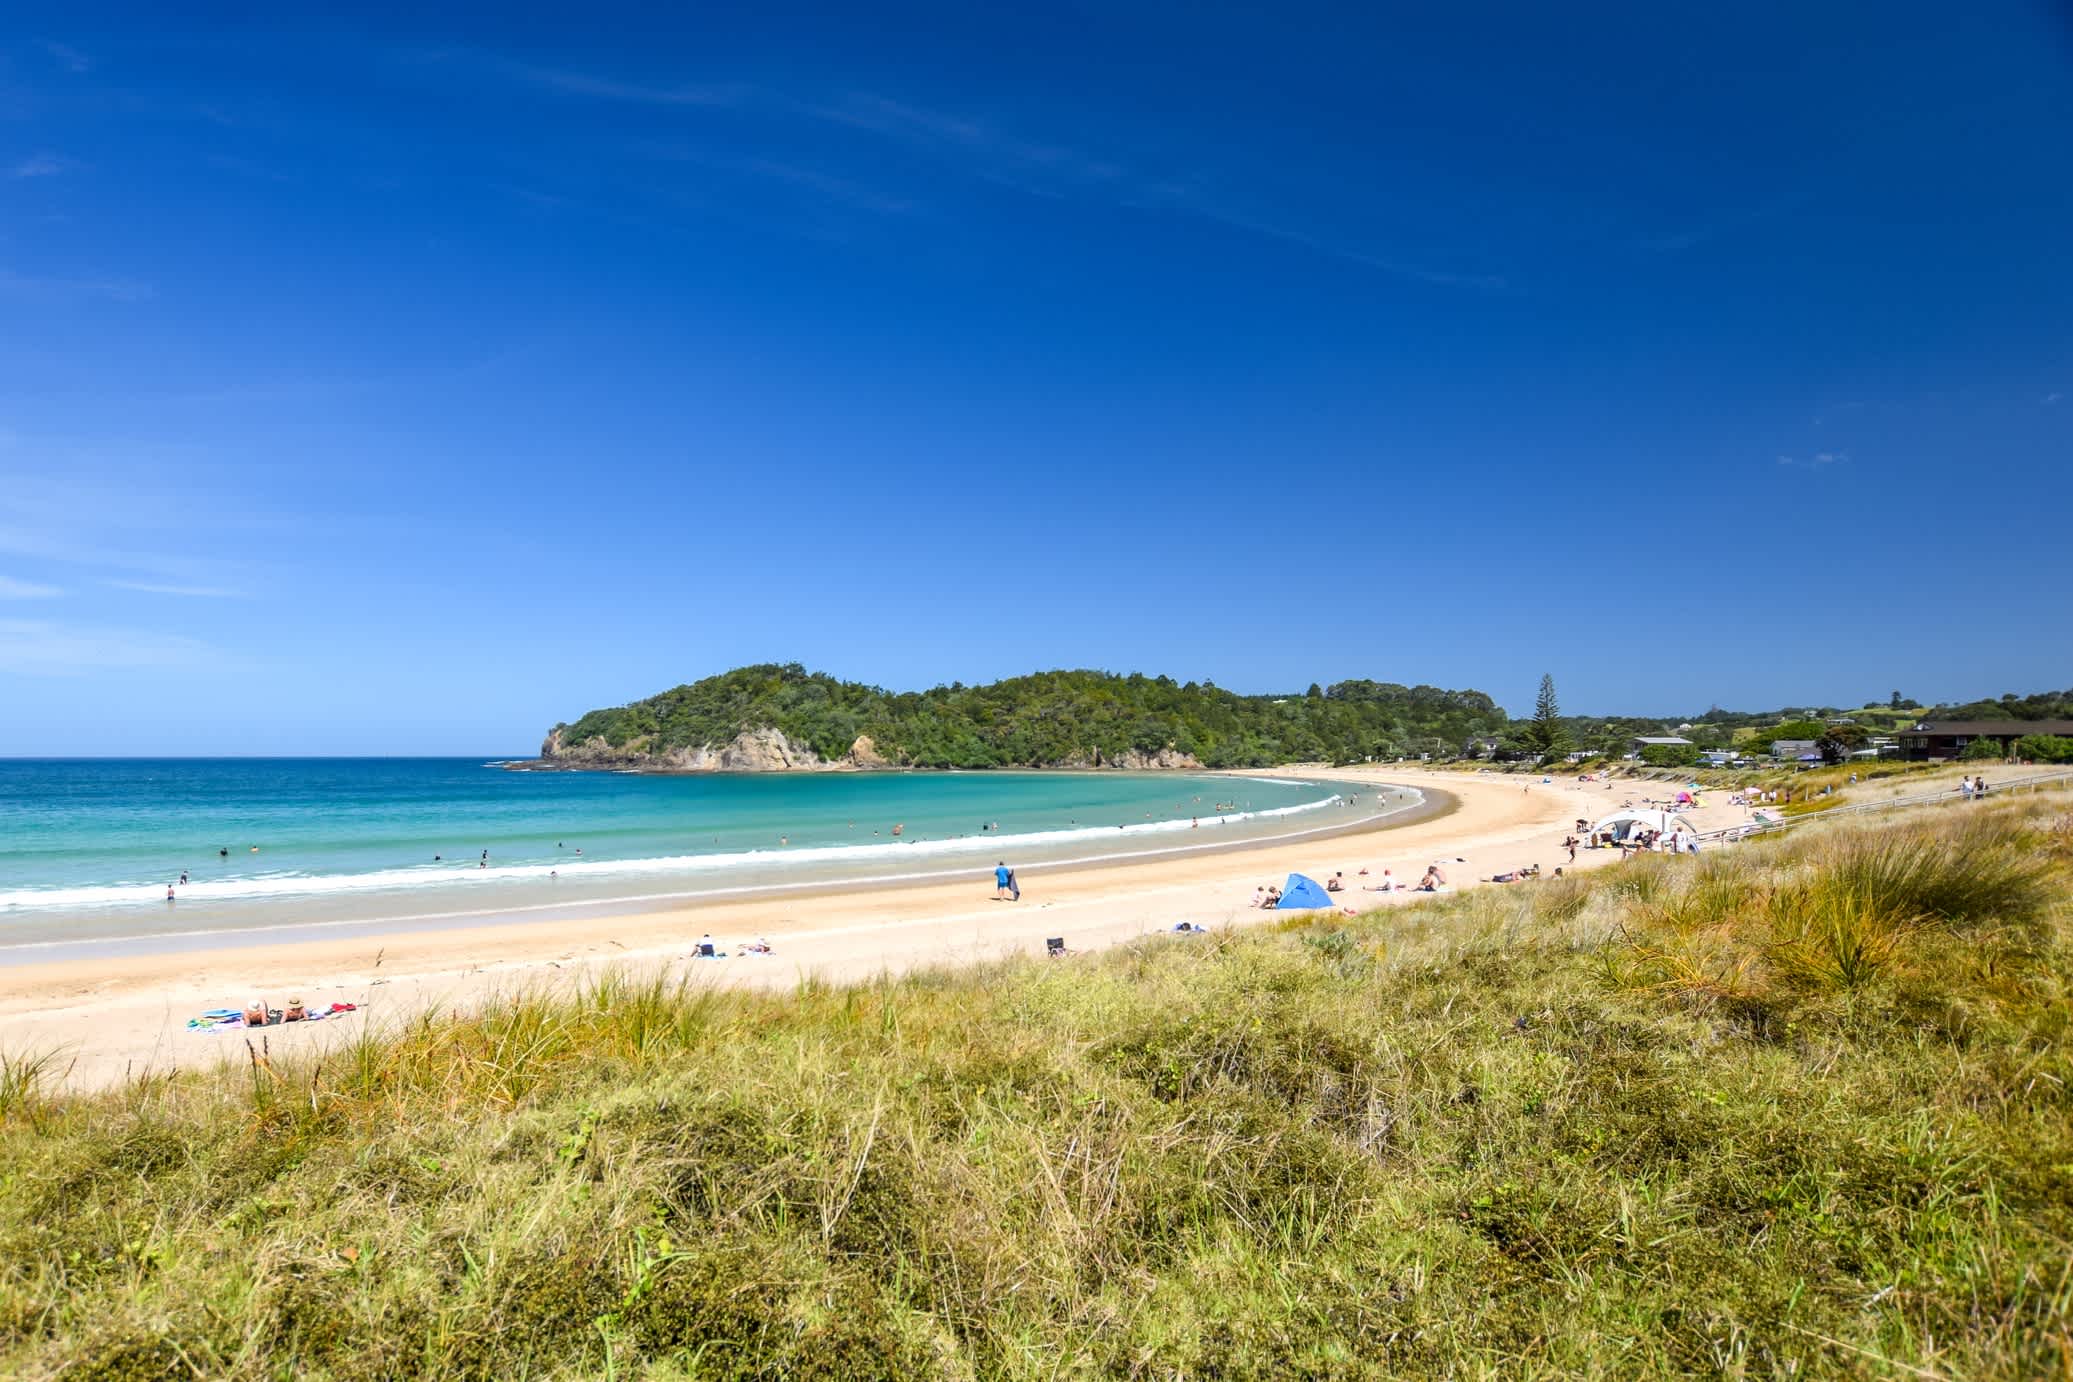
[
  {"x": 1796, "y": 1109},
  {"x": 782, "y": 716}
]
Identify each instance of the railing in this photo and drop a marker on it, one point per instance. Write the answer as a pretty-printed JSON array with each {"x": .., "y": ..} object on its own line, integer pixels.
[{"x": 1949, "y": 796}]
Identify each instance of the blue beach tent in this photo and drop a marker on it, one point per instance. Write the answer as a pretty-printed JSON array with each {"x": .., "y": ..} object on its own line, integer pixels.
[{"x": 1303, "y": 892}]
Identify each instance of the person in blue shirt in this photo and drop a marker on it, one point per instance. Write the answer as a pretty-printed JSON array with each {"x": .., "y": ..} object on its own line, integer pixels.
[{"x": 1004, "y": 885}]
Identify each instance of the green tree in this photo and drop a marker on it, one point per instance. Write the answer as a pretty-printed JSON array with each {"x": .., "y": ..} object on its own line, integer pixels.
[
  {"x": 1791, "y": 729},
  {"x": 1983, "y": 750},
  {"x": 1670, "y": 755},
  {"x": 2044, "y": 748},
  {"x": 1840, "y": 741},
  {"x": 1544, "y": 735},
  {"x": 1895, "y": 702}
]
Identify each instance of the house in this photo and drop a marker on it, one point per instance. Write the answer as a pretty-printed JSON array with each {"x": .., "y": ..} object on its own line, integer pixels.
[
  {"x": 1479, "y": 747},
  {"x": 1949, "y": 738},
  {"x": 1649, "y": 741},
  {"x": 1792, "y": 748}
]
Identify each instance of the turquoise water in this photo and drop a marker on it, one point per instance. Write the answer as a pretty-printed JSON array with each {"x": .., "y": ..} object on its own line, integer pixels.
[{"x": 88, "y": 847}]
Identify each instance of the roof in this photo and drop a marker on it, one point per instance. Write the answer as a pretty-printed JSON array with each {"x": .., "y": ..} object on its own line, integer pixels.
[
  {"x": 1975, "y": 728},
  {"x": 1661, "y": 739}
]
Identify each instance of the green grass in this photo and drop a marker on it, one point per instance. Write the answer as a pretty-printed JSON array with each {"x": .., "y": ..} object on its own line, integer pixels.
[{"x": 1797, "y": 1109}]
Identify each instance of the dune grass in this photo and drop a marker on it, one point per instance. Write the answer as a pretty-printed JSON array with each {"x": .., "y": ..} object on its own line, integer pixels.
[{"x": 1796, "y": 1109}]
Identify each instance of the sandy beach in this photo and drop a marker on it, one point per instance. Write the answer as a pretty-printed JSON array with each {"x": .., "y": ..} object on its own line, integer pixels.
[{"x": 113, "y": 1016}]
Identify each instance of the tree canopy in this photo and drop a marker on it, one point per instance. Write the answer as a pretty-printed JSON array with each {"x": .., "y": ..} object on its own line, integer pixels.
[{"x": 1048, "y": 718}]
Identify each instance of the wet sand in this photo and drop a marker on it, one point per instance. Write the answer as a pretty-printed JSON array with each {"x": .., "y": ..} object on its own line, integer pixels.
[{"x": 117, "y": 1014}]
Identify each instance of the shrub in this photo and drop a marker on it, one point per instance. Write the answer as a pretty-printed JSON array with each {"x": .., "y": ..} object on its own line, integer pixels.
[{"x": 2044, "y": 748}]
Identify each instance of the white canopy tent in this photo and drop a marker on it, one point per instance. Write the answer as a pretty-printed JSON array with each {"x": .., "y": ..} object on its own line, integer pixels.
[{"x": 1625, "y": 822}]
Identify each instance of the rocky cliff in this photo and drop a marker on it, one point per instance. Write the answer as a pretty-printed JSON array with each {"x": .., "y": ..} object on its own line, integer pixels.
[
  {"x": 769, "y": 751},
  {"x": 751, "y": 751}
]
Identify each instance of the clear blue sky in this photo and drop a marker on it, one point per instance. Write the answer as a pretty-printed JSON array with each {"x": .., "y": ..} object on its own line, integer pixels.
[{"x": 394, "y": 383}]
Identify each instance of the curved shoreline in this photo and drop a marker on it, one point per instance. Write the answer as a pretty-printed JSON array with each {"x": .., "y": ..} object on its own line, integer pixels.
[
  {"x": 658, "y": 869},
  {"x": 115, "y": 1015},
  {"x": 1431, "y": 803}
]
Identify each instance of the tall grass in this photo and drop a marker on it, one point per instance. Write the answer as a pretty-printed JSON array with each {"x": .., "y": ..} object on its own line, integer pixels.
[{"x": 1798, "y": 1109}]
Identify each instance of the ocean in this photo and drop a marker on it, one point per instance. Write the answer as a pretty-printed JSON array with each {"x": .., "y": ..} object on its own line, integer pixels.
[{"x": 275, "y": 847}]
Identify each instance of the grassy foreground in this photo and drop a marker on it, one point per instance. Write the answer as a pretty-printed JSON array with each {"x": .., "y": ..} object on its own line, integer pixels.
[{"x": 1796, "y": 1109}]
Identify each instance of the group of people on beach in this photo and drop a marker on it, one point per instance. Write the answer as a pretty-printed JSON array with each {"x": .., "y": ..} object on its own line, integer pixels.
[{"x": 708, "y": 949}]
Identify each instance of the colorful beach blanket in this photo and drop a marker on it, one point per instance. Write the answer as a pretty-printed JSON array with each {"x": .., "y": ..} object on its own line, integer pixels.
[{"x": 227, "y": 1019}]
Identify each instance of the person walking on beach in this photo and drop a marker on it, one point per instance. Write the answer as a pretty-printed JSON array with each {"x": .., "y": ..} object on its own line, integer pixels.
[{"x": 1001, "y": 878}]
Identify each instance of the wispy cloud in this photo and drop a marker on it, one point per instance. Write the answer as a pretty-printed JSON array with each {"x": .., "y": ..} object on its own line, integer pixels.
[
  {"x": 941, "y": 131},
  {"x": 41, "y": 165},
  {"x": 989, "y": 151},
  {"x": 2052, "y": 397},
  {"x": 1726, "y": 223},
  {"x": 66, "y": 56},
  {"x": 1818, "y": 458},
  {"x": 1352, "y": 254},
  {"x": 39, "y": 647},
  {"x": 714, "y": 94},
  {"x": 44, "y": 288},
  {"x": 1051, "y": 169},
  {"x": 823, "y": 185},
  {"x": 196, "y": 592},
  {"x": 12, "y": 589}
]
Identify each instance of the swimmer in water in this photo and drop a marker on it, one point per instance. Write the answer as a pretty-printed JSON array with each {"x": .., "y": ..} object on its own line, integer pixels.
[{"x": 169, "y": 892}]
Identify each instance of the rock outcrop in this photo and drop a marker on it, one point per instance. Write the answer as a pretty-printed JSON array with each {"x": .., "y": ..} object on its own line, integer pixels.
[
  {"x": 769, "y": 751},
  {"x": 751, "y": 751},
  {"x": 1168, "y": 757},
  {"x": 864, "y": 754}
]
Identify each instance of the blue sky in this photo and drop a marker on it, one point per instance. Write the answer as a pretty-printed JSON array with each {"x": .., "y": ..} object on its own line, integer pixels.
[{"x": 384, "y": 383}]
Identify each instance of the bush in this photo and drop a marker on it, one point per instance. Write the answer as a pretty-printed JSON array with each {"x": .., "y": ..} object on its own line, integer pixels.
[
  {"x": 1670, "y": 755},
  {"x": 2044, "y": 748},
  {"x": 1984, "y": 750}
]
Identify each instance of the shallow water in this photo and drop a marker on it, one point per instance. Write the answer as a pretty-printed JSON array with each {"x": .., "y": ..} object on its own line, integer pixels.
[{"x": 88, "y": 847}]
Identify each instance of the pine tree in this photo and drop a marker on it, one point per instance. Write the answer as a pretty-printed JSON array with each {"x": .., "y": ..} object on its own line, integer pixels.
[{"x": 1544, "y": 733}]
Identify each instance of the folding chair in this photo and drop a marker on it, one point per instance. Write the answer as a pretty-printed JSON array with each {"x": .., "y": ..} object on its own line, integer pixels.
[{"x": 1055, "y": 946}]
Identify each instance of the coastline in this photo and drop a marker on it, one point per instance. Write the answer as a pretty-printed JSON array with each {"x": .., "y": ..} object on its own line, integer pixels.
[
  {"x": 281, "y": 903},
  {"x": 116, "y": 1016}
]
